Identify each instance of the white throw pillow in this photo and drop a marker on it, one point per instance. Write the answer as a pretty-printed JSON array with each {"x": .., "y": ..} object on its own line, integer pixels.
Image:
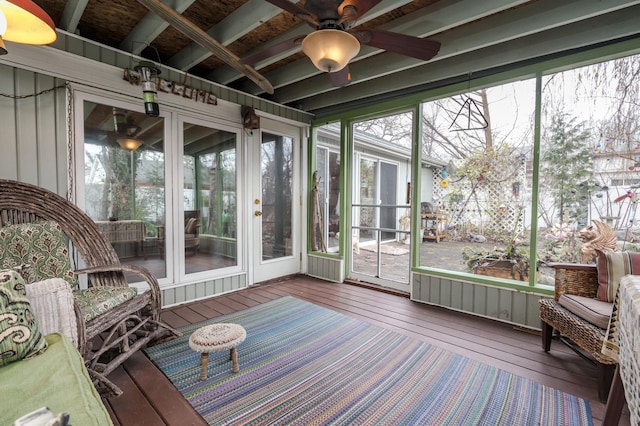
[{"x": 52, "y": 303}]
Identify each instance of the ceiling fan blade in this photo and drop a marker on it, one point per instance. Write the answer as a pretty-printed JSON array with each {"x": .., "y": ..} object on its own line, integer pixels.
[
  {"x": 296, "y": 10},
  {"x": 272, "y": 50},
  {"x": 362, "y": 6},
  {"x": 415, "y": 47},
  {"x": 340, "y": 78}
]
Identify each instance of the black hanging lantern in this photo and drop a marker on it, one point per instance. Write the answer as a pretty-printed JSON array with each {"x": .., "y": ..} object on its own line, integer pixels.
[
  {"x": 148, "y": 73},
  {"x": 119, "y": 121}
]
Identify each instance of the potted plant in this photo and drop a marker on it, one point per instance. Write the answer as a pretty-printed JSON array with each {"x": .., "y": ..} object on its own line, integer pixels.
[{"x": 511, "y": 262}]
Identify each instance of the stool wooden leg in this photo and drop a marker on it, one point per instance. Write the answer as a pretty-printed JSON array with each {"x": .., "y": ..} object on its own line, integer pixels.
[
  {"x": 234, "y": 359},
  {"x": 204, "y": 361}
]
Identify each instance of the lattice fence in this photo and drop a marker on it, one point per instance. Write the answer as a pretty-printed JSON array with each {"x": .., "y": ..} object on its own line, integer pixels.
[{"x": 488, "y": 207}]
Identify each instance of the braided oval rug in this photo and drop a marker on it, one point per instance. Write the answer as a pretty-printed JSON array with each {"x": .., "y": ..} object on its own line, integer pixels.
[{"x": 307, "y": 365}]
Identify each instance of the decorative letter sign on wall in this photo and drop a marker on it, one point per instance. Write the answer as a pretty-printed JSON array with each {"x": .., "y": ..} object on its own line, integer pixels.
[{"x": 178, "y": 89}]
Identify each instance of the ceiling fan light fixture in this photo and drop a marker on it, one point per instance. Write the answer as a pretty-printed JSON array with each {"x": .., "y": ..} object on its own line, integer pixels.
[
  {"x": 130, "y": 144},
  {"x": 22, "y": 21},
  {"x": 330, "y": 50}
]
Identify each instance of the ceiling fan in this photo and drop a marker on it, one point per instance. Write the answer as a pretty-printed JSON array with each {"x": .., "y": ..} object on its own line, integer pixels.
[{"x": 333, "y": 44}]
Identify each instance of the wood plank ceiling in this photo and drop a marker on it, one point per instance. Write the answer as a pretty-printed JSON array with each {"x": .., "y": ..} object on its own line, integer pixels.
[{"x": 477, "y": 37}]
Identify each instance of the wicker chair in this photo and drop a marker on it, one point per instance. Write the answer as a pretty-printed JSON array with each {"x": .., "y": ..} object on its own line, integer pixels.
[
  {"x": 579, "y": 280},
  {"x": 191, "y": 232},
  {"x": 107, "y": 340}
]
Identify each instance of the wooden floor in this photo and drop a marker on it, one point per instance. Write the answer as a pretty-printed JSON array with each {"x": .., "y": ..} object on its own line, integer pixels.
[{"x": 150, "y": 399}]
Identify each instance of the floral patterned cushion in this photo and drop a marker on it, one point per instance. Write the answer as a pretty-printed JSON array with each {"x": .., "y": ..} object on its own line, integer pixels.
[
  {"x": 41, "y": 246},
  {"x": 20, "y": 337},
  {"x": 96, "y": 301}
]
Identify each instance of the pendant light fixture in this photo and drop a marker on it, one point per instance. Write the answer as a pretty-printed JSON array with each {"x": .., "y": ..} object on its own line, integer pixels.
[
  {"x": 129, "y": 143},
  {"x": 330, "y": 50},
  {"x": 22, "y": 21}
]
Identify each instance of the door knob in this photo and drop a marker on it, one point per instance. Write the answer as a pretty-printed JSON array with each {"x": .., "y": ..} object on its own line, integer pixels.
[{"x": 257, "y": 213}]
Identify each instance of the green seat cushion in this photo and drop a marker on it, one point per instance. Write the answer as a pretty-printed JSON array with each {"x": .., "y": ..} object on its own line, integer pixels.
[
  {"x": 42, "y": 246},
  {"x": 19, "y": 333},
  {"x": 56, "y": 379},
  {"x": 96, "y": 301}
]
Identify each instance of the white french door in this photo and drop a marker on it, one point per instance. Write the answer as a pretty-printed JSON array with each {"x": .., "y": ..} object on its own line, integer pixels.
[{"x": 275, "y": 205}]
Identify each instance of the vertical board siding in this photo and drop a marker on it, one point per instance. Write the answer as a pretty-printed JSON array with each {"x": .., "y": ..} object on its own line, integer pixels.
[
  {"x": 326, "y": 268},
  {"x": 104, "y": 54},
  {"x": 26, "y": 125},
  {"x": 34, "y": 141},
  {"x": 201, "y": 290},
  {"x": 504, "y": 304},
  {"x": 8, "y": 159}
]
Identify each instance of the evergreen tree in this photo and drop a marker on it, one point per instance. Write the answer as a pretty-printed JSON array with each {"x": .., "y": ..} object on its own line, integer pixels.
[{"x": 567, "y": 169}]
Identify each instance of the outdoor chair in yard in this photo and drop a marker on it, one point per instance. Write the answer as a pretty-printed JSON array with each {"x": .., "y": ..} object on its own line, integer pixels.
[
  {"x": 37, "y": 229},
  {"x": 582, "y": 306}
]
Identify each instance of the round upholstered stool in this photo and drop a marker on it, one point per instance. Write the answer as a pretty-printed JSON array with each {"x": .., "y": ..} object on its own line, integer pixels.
[{"x": 217, "y": 338}]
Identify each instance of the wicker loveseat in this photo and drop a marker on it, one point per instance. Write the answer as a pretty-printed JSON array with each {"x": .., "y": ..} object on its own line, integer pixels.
[
  {"x": 578, "y": 280},
  {"x": 114, "y": 319}
]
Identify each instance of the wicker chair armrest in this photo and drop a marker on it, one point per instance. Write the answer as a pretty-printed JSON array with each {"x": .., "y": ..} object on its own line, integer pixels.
[
  {"x": 82, "y": 328},
  {"x": 567, "y": 265},
  {"x": 146, "y": 275},
  {"x": 575, "y": 278}
]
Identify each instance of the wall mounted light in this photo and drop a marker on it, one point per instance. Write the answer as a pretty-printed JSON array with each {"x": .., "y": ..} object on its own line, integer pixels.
[
  {"x": 22, "y": 21},
  {"x": 250, "y": 120},
  {"x": 148, "y": 73},
  {"x": 330, "y": 50}
]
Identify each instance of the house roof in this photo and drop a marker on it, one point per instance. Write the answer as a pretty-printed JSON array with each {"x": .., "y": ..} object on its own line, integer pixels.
[{"x": 477, "y": 38}]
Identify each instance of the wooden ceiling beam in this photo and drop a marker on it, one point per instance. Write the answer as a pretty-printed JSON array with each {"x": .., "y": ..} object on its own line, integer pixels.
[
  {"x": 150, "y": 27},
  {"x": 242, "y": 20},
  {"x": 71, "y": 15},
  {"x": 187, "y": 27}
]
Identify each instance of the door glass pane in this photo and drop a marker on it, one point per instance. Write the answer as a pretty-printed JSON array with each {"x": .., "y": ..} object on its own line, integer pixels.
[
  {"x": 368, "y": 198},
  {"x": 209, "y": 199},
  {"x": 124, "y": 182},
  {"x": 388, "y": 198},
  {"x": 276, "y": 172},
  {"x": 379, "y": 240}
]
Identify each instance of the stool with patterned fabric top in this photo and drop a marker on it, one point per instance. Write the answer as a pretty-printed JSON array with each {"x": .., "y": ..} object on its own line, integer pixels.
[{"x": 217, "y": 338}]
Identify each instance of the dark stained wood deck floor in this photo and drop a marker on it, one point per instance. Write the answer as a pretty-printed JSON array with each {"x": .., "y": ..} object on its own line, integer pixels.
[{"x": 150, "y": 399}]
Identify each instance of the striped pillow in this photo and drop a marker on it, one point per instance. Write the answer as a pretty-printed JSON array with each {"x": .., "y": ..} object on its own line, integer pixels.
[
  {"x": 190, "y": 227},
  {"x": 612, "y": 266}
]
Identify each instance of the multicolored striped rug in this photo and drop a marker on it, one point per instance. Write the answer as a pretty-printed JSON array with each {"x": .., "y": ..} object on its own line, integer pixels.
[{"x": 307, "y": 365}]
